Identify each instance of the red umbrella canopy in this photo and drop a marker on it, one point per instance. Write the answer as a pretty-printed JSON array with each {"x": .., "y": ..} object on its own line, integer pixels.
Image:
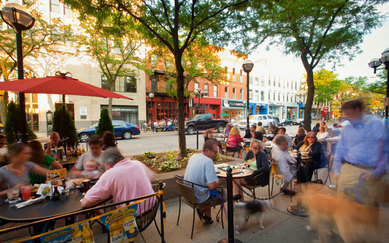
[{"x": 60, "y": 84}]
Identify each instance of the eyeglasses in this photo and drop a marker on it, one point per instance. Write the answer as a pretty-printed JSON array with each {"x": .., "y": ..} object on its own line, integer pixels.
[
  {"x": 311, "y": 137},
  {"x": 257, "y": 148}
]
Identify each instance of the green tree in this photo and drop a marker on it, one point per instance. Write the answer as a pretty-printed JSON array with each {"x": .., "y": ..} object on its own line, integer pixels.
[
  {"x": 64, "y": 125},
  {"x": 379, "y": 86},
  {"x": 105, "y": 123},
  {"x": 42, "y": 38},
  {"x": 315, "y": 31},
  {"x": 13, "y": 123},
  {"x": 114, "y": 47},
  {"x": 199, "y": 61},
  {"x": 174, "y": 25}
]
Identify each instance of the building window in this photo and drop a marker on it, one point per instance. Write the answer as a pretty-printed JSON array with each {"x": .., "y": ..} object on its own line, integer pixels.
[
  {"x": 67, "y": 10},
  {"x": 215, "y": 91},
  {"x": 124, "y": 113},
  {"x": 196, "y": 86},
  {"x": 268, "y": 96},
  {"x": 256, "y": 95},
  {"x": 262, "y": 95},
  {"x": 206, "y": 89},
  {"x": 274, "y": 96},
  {"x": 226, "y": 92},
  {"x": 54, "y": 6},
  {"x": 251, "y": 94},
  {"x": 234, "y": 93},
  {"x": 233, "y": 75},
  {"x": 241, "y": 94},
  {"x": 122, "y": 84},
  {"x": 241, "y": 76}
]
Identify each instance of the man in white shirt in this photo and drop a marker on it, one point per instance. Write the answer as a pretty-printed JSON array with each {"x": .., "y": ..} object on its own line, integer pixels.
[{"x": 95, "y": 151}]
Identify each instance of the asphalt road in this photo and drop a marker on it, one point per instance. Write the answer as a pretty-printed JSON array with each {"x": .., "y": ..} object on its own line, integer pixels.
[{"x": 163, "y": 141}]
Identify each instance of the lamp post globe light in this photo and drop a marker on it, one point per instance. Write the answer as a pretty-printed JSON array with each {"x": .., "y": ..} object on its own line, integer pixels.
[
  {"x": 151, "y": 96},
  {"x": 247, "y": 67},
  {"x": 375, "y": 63},
  {"x": 19, "y": 19}
]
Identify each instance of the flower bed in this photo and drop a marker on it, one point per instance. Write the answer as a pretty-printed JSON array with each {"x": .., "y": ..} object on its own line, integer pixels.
[{"x": 171, "y": 160}]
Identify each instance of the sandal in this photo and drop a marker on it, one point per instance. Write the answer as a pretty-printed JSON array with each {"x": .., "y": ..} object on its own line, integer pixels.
[{"x": 207, "y": 219}]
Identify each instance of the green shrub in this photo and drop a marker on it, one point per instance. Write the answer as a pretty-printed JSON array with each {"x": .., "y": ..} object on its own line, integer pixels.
[
  {"x": 13, "y": 125},
  {"x": 64, "y": 125},
  {"x": 105, "y": 123}
]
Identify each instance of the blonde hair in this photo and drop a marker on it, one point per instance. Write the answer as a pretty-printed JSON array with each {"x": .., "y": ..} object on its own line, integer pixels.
[
  {"x": 254, "y": 141},
  {"x": 301, "y": 131},
  {"x": 234, "y": 131}
]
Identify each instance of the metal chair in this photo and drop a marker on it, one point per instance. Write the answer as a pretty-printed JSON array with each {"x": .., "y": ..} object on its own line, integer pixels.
[
  {"x": 256, "y": 178},
  {"x": 275, "y": 176},
  {"x": 187, "y": 195}
]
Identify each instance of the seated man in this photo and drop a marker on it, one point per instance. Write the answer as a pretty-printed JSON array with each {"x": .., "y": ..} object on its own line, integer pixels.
[
  {"x": 282, "y": 131},
  {"x": 124, "y": 179},
  {"x": 200, "y": 170},
  {"x": 95, "y": 151},
  {"x": 55, "y": 148},
  {"x": 286, "y": 164}
]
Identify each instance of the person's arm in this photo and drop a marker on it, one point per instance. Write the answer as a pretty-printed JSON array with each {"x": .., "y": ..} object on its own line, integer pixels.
[
  {"x": 4, "y": 192},
  {"x": 340, "y": 151},
  {"x": 40, "y": 170},
  {"x": 48, "y": 148},
  {"x": 85, "y": 203},
  {"x": 76, "y": 170},
  {"x": 213, "y": 185},
  {"x": 262, "y": 163},
  {"x": 98, "y": 193},
  {"x": 382, "y": 160},
  {"x": 56, "y": 165}
]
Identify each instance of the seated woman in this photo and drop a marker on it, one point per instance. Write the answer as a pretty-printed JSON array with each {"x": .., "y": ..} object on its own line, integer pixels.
[
  {"x": 252, "y": 132},
  {"x": 233, "y": 143},
  {"x": 258, "y": 162},
  {"x": 39, "y": 157},
  {"x": 227, "y": 131},
  {"x": 15, "y": 174},
  {"x": 286, "y": 164},
  {"x": 313, "y": 148},
  {"x": 109, "y": 140},
  {"x": 322, "y": 134},
  {"x": 300, "y": 135}
]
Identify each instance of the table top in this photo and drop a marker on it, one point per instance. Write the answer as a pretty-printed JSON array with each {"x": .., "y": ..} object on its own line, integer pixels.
[
  {"x": 237, "y": 172},
  {"x": 42, "y": 210},
  {"x": 294, "y": 155}
]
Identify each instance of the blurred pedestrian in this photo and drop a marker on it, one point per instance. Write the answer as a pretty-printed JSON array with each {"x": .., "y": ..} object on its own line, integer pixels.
[{"x": 361, "y": 156}]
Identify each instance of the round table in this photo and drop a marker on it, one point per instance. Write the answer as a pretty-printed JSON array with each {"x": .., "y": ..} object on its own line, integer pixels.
[
  {"x": 230, "y": 207},
  {"x": 42, "y": 210}
]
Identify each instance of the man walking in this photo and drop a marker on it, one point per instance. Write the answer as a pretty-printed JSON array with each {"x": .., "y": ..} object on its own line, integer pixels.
[{"x": 361, "y": 156}]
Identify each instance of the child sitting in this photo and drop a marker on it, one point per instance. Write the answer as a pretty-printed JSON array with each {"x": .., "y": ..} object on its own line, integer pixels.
[{"x": 91, "y": 170}]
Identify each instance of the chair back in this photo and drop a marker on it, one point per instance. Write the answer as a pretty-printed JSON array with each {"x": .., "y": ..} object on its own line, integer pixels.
[
  {"x": 147, "y": 210},
  {"x": 186, "y": 189},
  {"x": 274, "y": 168}
]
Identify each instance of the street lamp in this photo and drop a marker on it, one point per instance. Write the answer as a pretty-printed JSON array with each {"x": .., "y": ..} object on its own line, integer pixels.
[
  {"x": 247, "y": 67},
  {"x": 151, "y": 96},
  {"x": 375, "y": 63},
  {"x": 19, "y": 19}
]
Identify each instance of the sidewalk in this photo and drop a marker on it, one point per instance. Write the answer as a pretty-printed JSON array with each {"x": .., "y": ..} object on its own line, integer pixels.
[{"x": 280, "y": 226}]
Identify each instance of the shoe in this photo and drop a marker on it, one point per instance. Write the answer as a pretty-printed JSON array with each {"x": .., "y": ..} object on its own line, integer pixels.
[
  {"x": 207, "y": 219},
  {"x": 199, "y": 214}
]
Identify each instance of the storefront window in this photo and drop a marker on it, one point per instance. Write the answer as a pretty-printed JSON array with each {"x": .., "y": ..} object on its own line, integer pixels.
[{"x": 124, "y": 113}]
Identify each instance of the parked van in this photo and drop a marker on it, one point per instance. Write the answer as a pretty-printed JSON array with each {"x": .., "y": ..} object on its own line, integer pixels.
[{"x": 265, "y": 119}]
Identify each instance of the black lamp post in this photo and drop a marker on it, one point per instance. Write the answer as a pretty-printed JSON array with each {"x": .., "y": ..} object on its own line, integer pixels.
[
  {"x": 19, "y": 19},
  {"x": 151, "y": 96},
  {"x": 375, "y": 63},
  {"x": 247, "y": 67}
]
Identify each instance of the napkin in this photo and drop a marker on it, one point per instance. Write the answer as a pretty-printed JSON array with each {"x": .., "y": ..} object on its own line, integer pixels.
[{"x": 29, "y": 202}]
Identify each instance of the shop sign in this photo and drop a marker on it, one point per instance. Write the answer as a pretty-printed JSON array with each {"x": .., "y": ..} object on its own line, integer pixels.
[{"x": 234, "y": 104}]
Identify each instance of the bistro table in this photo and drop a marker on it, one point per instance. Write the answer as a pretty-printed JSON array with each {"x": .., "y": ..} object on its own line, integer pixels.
[
  {"x": 229, "y": 173},
  {"x": 42, "y": 210}
]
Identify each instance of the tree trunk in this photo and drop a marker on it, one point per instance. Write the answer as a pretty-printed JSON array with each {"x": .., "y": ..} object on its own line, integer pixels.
[
  {"x": 3, "y": 106},
  {"x": 110, "y": 107},
  {"x": 310, "y": 95},
  {"x": 181, "y": 105}
]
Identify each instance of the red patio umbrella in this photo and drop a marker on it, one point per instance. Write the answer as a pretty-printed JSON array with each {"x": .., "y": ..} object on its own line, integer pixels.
[{"x": 60, "y": 84}]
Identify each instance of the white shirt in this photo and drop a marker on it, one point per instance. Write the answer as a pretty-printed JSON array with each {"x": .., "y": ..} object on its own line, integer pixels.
[
  {"x": 322, "y": 136},
  {"x": 285, "y": 162}
]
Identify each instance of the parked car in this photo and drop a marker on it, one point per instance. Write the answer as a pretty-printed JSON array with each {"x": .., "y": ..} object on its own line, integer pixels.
[
  {"x": 275, "y": 119},
  {"x": 241, "y": 124},
  {"x": 286, "y": 122},
  {"x": 204, "y": 122},
  {"x": 122, "y": 129},
  {"x": 265, "y": 119},
  {"x": 299, "y": 121}
]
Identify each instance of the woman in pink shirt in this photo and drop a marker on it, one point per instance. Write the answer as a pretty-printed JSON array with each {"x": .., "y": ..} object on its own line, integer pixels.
[{"x": 234, "y": 141}]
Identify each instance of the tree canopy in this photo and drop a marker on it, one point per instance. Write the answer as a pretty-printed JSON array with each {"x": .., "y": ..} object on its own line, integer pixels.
[
  {"x": 315, "y": 31},
  {"x": 172, "y": 24}
]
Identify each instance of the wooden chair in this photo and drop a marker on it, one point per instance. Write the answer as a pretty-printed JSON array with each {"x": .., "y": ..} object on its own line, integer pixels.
[
  {"x": 187, "y": 195},
  {"x": 252, "y": 188}
]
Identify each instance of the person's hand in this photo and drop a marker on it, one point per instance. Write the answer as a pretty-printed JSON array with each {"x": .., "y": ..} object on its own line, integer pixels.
[
  {"x": 18, "y": 186},
  {"x": 368, "y": 177}
]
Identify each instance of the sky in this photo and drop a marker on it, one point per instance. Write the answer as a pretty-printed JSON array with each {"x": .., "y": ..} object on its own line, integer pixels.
[{"x": 276, "y": 63}]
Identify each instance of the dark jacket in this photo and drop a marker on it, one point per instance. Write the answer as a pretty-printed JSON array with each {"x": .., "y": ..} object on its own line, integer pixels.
[
  {"x": 262, "y": 168},
  {"x": 314, "y": 151}
]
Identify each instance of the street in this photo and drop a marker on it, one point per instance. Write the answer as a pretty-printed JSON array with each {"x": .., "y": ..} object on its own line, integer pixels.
[{"x": 163, "y": 141}]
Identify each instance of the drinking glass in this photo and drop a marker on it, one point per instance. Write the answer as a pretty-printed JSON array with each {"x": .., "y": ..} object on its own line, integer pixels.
[{"x": 26, "y": 192}]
